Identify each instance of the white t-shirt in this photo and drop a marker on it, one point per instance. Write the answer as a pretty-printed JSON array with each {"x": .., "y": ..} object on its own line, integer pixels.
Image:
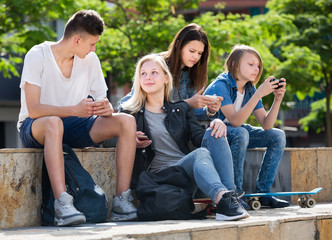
[
  {"x": 41, "y": 69},
  {"x": 238, "y": 102}
]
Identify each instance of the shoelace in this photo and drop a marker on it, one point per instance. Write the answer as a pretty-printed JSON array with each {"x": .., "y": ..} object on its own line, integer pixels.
[
  {"x": 69, "y": 209},
  {"x": 234, "y": 200},
  {"x": 127, "y": 203},
  {"x": 129, "y": 199}
]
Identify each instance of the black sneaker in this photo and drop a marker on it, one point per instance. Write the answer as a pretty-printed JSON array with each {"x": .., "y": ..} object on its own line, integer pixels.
[
  {"x": 244, "y": 203},
  {"x": 229, "y": 208},
  {"x": 273, "y": 202},
  {"x": 240, "y": 193}
]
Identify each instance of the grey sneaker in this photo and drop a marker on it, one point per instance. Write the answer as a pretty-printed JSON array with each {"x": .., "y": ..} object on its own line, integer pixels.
[
  {"x": 65, "y": 212},
  {"x": 122, "y": 208}
]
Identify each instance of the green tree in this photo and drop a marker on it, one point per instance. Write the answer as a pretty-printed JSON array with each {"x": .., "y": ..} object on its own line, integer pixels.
[
  {"x": 135, "y": 28},
  {"x": 307, "y": 52},
  {"x": 261, "y": 32},
  {"x": 294, "y": 37},
  {"x": 316, "y": 118},
  {"x": 24, "y": 24}
]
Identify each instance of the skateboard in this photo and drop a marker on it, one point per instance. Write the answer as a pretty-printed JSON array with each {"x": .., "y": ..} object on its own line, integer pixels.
[
  {"x": 305, "y": 200},
  {"x": 208, "y": 205}
]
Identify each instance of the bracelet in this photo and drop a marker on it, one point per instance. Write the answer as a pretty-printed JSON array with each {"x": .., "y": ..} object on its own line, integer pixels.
[{"x": 210, "y": 113}]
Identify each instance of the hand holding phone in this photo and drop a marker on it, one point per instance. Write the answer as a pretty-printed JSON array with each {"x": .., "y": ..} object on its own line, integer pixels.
[
  {"x": 142, "y": 137},
  {"x": 142, "y": 141}
]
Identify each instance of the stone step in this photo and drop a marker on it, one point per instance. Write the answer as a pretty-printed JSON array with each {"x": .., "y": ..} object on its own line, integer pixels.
[
  {"x": 278, "y": 224},
  {"x": 21, "y": 174},
  {"x": 301, "y": 169}
]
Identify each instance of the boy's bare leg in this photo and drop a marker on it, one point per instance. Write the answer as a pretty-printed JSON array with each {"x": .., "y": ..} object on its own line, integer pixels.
[
  {"x": 48, "y": 131},
  {"x": 122, "y": 126}
]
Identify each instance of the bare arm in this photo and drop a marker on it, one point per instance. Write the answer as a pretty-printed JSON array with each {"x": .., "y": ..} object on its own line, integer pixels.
[
  {"x": 238, "y": 118},
  {"x": 267, "y": 120},
  {"x": 38, "y": 110},
  {"x": 200, "y": 101}
]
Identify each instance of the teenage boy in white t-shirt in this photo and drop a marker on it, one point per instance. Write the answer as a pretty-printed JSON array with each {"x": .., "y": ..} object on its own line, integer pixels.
[{"x": 56, "y": 81}]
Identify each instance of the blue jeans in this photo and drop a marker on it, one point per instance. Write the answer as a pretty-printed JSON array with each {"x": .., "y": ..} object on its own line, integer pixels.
[
  {"x": 222, "y": 158},
  {"x": 245, "y": 137},
  {"x": 212, "y": 171}
]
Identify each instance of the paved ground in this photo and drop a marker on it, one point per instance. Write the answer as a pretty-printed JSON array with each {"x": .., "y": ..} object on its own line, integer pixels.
[{"x": 144, "y": 230}]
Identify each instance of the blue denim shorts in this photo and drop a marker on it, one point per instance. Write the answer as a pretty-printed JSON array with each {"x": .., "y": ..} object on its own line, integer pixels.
[{"x": 76, "y": 132}]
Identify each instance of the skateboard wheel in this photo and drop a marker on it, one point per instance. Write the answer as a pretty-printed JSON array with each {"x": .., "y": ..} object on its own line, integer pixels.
[
  {"x": 255, "y": 205},
  {"x": 301, "y": 202},
  {"x": 311, "y": 203}
]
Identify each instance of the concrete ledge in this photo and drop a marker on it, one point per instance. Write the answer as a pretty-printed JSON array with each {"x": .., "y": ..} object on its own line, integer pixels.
[
  {"x": 20, "y": 188},
  {"x": 20, "y": 171},
  {"x": 277, "y": 224},
  {"x": 300, "y": 169}
]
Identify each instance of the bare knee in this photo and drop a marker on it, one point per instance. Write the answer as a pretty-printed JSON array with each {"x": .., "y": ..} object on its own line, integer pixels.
[
  {"x": 54, "y": 126},
  {"x": 127, "y": 122}
]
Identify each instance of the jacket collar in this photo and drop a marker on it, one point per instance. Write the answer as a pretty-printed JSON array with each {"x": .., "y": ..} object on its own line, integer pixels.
[
  {"x": 247, "y": 87},
  {"x": 165, "y": 107},
  {"x": 232, "y": 80}
]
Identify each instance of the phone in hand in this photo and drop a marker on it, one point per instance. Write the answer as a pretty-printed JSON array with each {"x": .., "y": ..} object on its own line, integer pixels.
[
  {"x": 142, "y": 137},
  {"x": 277, "y": 84},
  {"x": 212, "y": 96}
]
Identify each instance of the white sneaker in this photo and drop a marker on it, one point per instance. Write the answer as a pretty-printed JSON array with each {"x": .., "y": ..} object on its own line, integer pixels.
[
  {"x": 65, "y": 212},
  {"x": 122, "y": 208}
]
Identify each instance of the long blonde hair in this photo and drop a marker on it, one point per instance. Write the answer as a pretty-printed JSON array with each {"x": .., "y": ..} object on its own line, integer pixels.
[{"x": 139, "y": 96}]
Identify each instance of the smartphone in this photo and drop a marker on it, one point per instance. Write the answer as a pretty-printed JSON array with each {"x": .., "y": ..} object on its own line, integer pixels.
[
  {"x": 142, "y": 137},
  {"x": 99, "y": 100},
  {"x": 211, "y": 96}
]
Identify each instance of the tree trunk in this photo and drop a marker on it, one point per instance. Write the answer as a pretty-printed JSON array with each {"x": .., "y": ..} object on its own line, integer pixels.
[{"x": 328, "y": 113}]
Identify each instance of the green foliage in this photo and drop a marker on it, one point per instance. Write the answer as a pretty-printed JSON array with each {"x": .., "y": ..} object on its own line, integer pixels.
[
  {"x": 309, "y": 49},
  {"x": 22, "y": 25},
  {"x": 135, "y": 28},
  {"x": 294, "y": 37},
  {"x": 307, "y": 52},
  {"x": 263, "y": 32},
  {"x": 316, "y": 119}
]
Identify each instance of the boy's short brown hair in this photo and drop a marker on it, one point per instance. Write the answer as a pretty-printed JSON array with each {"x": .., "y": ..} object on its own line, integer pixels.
[{"x": 84, "y": 21}]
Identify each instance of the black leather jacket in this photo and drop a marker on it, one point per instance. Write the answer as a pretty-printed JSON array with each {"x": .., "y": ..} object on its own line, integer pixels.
[{"x": 182, "y": 125}]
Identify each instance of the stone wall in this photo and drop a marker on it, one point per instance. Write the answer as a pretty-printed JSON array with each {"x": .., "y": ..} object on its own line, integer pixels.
[
  {"x": 300, "y": 169},
  {"x": 20, "y": 185},
  {"x": 311, "y": 168},
  {"x": 20, "y": 173}
]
